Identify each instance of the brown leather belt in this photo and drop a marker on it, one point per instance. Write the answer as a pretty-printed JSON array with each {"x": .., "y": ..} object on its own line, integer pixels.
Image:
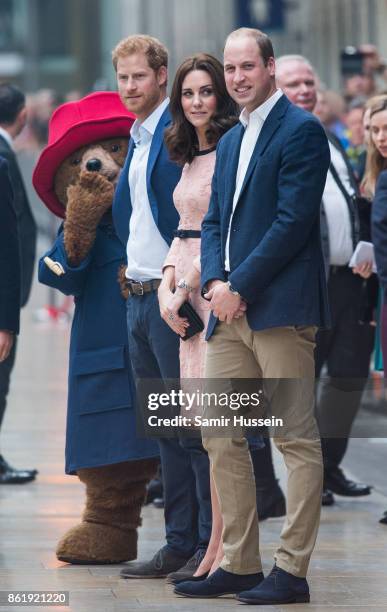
[{"x": 141, "y": 287}]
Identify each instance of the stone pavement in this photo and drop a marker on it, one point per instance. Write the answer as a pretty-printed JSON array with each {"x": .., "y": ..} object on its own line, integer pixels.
[{"x": 348, "y": 571}]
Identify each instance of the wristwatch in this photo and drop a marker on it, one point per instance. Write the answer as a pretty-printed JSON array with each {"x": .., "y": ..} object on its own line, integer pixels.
[
  {"x": 183, "y": 285},
  {"x": 231, "y": 288}
]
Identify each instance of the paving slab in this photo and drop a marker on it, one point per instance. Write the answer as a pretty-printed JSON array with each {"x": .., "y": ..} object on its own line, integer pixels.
[{"x": 348, "y": 571}]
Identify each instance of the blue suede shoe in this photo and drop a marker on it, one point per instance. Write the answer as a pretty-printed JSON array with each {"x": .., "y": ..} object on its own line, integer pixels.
[
  {"x": 279, "y": 587},
  {"x": 219, "y": 583}
]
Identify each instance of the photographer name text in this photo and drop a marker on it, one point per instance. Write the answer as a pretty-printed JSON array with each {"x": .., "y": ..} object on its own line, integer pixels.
[{"x": 200, "y": 421}]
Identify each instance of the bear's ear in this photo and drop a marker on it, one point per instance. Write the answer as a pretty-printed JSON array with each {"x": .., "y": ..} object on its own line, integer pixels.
[
  {"x": 117, "y": 148},
  {"x": 68, "y": 174}
]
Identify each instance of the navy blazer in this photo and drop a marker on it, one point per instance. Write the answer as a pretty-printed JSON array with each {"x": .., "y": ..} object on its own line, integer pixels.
[
  {"x": 9, "y": 255},
  {"x": 276, "y": 260},
  {"x": 101, "y": 417},
  {"x": 379, "y": 228},
  {"x": 162, "y": 177}
]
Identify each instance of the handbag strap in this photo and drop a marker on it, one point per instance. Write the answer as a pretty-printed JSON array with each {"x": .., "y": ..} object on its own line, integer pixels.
[{"x": 351, "y": 202}]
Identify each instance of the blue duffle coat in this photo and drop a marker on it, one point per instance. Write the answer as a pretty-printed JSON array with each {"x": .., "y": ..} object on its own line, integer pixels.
[{"x": 101, "y": 415}]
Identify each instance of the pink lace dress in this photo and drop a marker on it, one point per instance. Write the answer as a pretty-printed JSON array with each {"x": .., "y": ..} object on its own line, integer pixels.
[{"x": 191, "y": 198}]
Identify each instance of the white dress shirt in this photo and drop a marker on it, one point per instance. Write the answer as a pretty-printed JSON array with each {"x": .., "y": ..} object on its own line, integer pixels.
[
  {"x": 146, "y": 248},
  {"x": 337, "y": 213},
  {"x": 253, "y": 123}
]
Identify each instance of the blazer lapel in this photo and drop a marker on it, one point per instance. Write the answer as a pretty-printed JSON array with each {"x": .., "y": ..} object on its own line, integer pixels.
[
  {"x": 123, "y": 193},
  {"x": 122, "y": 204},
  {"x": 233, "y": 159},
  {"x": 267, "y": 132},
  {"x": 157, "y": 143},
  {"x": 129, "y": 156}
]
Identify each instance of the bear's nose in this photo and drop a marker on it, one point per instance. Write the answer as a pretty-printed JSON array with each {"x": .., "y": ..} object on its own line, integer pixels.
[{"x": 93, "y": 165}]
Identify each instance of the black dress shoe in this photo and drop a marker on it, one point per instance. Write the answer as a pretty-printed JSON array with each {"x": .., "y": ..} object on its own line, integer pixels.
[
  {"x": 270, "y": 499},
  {"x": 219, "y": 583},
  {"x": 163, "y": 563},
  {"x": 383, "y": 520},
  {"x": 9, "y": 475},
  {"x": 279, "y": 587},
  {"x": 327, "y": 498},
  {"x": 336, "y": 481},
  {"x": 187, "y": 571}
]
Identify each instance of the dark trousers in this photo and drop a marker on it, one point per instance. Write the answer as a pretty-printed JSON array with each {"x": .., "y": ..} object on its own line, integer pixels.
[
  {"x": 346, "y": 351},
  {"x": 154, "y": 353},
  {"x": 6, "y": 368}
]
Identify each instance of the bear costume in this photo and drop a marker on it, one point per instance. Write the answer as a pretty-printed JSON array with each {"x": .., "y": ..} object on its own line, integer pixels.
[{"x": 75, "y": 177}]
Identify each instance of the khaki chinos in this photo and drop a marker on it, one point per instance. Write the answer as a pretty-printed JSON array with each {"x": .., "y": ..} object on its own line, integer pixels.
[{"x": 236, "y": 351}]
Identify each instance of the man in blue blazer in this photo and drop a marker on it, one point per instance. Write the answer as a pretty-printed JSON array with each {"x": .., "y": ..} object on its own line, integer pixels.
[
  {"x": 145, "y": 219},
  {"x": 261, "y": 244}
]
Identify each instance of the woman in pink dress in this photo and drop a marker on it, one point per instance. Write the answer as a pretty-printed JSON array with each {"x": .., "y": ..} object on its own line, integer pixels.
[{"x": 202, "y": 112}]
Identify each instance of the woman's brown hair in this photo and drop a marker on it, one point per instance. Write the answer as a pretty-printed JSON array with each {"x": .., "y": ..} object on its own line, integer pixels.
[
  {"x": 375, "y": 161},
  {"x": 180, "y": 137}
]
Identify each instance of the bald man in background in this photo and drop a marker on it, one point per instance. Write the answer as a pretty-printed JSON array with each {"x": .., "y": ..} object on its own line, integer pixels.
[{"x": 345, "y": 348}]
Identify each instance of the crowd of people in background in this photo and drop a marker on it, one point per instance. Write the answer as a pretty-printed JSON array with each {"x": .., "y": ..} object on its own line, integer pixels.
[{"x": 341, "y": 111}]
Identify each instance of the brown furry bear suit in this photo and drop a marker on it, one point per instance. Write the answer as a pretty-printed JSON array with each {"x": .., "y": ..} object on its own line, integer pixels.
[{"x": 101, "y": 443}]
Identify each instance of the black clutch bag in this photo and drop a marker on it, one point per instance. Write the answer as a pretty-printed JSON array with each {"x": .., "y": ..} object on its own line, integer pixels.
[{"x": 196, "y": 325}]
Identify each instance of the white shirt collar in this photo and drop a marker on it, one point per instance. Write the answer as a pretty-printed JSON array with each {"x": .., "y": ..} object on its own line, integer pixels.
[
  {"x": 149, "y": 124},
  {"x": 7, "y": 137},
  {"x": 260, "y": 113}
]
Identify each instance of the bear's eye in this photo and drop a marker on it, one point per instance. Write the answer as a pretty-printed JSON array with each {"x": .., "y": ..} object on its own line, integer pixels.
[
  {"x": 75, "y": 161},
  {"x": 115, "y": 148}
]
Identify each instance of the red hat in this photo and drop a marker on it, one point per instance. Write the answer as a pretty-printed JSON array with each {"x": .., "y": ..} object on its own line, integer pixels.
[{"x": 98, "y": 116}]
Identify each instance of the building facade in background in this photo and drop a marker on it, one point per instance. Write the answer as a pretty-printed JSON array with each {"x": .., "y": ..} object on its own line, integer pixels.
[{"x": 50, "y": 43}]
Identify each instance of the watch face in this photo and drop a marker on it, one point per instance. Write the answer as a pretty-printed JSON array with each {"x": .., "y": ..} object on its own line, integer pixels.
[{"x": 234, "y": 291}]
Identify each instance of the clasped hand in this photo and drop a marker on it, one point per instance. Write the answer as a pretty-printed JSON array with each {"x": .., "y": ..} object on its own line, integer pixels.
[
  {"x": 225, "y": 305},
  {"x": 169, "y": 309}
]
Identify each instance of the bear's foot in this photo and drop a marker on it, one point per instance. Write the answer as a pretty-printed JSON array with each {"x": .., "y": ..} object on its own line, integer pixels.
[{"x": 94, "y": 543}]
